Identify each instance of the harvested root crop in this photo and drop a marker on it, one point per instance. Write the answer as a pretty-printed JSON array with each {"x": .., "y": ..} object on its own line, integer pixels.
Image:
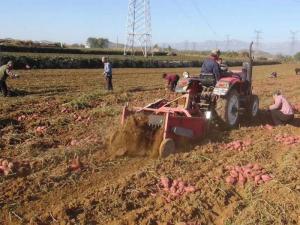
[
  {"x": 240, "y": 175},
  {"x": 238, "y": 145},
  {"x": 9, "y": 167},
  {"x": 172, "y": 189},
  {"x": 286, "y": 139}
]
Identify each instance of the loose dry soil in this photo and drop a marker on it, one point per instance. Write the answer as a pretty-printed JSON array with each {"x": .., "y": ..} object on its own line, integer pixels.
[{"x": 61, "y": 114}]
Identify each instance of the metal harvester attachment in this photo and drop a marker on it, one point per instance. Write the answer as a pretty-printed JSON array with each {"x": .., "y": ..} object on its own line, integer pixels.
[{"x": 178, "y": 118}]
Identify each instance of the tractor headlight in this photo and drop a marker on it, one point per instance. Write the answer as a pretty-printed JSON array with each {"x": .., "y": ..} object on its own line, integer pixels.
[{"x": 208, "y": 115}]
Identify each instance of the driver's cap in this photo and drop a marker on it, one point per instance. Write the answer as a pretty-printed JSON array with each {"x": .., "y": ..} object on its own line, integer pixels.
[
  {"x": 216, "y": 52},
  {"x": 186, "y": 74}
]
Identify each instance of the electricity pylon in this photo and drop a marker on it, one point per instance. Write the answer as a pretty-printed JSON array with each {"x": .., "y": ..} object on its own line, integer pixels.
[{"x": 139, "y": 33}]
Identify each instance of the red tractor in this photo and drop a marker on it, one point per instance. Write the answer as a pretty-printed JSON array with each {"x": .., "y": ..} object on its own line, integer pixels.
[
  {"x": 202, "y": 99},
  {"x": 227, "y": 99}
]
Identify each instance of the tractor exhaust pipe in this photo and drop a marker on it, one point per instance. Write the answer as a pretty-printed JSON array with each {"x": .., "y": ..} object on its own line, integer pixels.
[{"x": 250, "y": 69}]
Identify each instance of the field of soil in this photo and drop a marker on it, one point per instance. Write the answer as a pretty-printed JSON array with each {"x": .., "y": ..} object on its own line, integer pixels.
[{"x": 60, "y": 115}]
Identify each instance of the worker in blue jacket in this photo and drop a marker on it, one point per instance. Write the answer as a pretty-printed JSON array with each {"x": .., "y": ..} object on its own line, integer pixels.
[
  {"x": 211, "y": 65},
  {"x": 107, "y": 73}
]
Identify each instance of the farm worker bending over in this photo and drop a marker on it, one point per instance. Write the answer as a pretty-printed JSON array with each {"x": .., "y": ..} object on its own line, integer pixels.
[
  {"x": 107, "y": 73},
  {"x": 172, "y": 80},
  {"x": 281, "y": 110},
  {"x": 211, "y": 65},
  {"x": 5, "y": 72}
]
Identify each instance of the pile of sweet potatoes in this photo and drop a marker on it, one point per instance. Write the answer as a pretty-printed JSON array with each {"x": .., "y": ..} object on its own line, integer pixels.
[
  {"x": 9, "y": 167},
  {"x": 238, "y": 145},
  {"x": 172, "y": 189},
  {"x": 23, "y": 117},
  {"x": 251, "y": 172},
  {"x": 287, "y": 139}
]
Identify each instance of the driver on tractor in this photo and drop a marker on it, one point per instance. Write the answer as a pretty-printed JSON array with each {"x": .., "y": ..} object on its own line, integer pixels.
[{"x": 211, "y": 71}]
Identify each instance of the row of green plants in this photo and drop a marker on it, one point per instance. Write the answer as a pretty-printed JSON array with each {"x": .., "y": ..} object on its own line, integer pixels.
[{"x": 59, "y": 62}]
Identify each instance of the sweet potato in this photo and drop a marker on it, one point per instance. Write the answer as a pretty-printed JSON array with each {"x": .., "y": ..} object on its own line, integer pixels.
[
  {"x": 11, "y": 166},
  {"x": 266, "y": 178},
  {"x": 75, "y": 164},
  {"x": 257, "y": 178},
  {"x": 165, "y": 182},
  {"x": 256, "y": 167},
  {"x": 247, "y": 172},
  {"x": 242, "y": 180},
  {"x": 231, "y": 180},
  {"x": 190, "y": 189},
  {"x": 234, "y": 173},
  {"x": 5, "y": 163}
]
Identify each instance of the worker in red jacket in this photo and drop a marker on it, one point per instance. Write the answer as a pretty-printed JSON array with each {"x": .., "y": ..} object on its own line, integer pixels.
[{"x": 172, "y": 80}]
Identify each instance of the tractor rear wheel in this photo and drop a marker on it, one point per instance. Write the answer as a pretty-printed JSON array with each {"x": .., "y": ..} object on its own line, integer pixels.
[
  {"x": 167, "y": 147},
  {"x": 253, "y": 107},
  {"x": 227, "y": 109}
]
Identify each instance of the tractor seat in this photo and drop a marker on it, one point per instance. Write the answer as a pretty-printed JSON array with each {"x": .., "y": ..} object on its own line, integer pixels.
[{"x": 208, "y": 79}]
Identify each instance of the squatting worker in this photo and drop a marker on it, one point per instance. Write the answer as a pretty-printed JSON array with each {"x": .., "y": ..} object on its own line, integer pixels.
[
  {"x": 211, "y": 64},
  {"x": 107, "y": 73},
  {"x": 281, "y": 111},
  {"x": 5, "y": 72},
  {"x": 172, "y": 80}
]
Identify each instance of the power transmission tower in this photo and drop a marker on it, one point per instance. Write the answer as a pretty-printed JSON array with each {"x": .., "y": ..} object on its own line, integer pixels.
[
  {"x": 139, "y": 34},
  {"x": 227, "y": 42},
  {"x": 194, "y": 46},
  {"x": 258, "y": 38},
  {"x": 293, "y": 41}
]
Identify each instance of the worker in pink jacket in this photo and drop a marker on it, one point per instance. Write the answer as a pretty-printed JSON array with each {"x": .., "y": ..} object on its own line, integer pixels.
[{"x": 281, "y": 111}]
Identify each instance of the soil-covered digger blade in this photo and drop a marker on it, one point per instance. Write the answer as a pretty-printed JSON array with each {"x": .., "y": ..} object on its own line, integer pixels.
[{"x": 156, "y": 120}]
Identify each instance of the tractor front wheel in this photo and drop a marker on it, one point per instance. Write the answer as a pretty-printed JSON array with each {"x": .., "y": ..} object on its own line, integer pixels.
[
  {"x": 167, "y": 147},
  {"x": 227, "y": 109}
]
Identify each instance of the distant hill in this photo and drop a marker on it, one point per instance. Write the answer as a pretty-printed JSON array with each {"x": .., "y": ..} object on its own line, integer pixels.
[
  {"x": 236, "y": 45},
  {"x": 29, "y": 43}
]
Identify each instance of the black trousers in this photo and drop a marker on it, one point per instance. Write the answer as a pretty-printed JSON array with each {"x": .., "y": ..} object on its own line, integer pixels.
[
  {"x": 3, "y": 88},
  {"x": 109, "y": 85},
  {"x": 173, "y": 85},
  {"x": 279, "y": 118}
]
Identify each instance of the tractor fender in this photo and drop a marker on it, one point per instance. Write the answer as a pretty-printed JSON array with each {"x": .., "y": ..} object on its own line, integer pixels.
[{"x": 225, "y": 85}]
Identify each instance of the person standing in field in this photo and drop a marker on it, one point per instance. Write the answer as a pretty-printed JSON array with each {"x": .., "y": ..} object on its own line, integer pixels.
[
  {"x": 172, "y": 80},
  {"x": 107, "y": 73},
  {"x": 281, "y": 111},
  {"x": 5, "y": 72}
]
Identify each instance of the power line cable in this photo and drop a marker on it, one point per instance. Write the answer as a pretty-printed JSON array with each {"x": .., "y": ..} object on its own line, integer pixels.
[{"x": 196, "y": 7}]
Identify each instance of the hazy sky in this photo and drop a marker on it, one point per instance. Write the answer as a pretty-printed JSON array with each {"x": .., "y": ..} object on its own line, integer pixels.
[{"x": 172, "y": 20}]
